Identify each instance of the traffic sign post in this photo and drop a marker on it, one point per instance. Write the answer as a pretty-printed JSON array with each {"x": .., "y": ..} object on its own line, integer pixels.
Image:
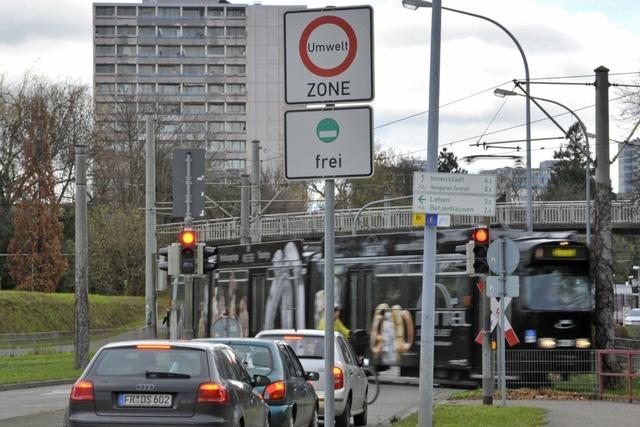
[
  {"x": 335, "y": 143},
  {"x": 328, "y": 55},
  {"x": 454, "y": 194}
]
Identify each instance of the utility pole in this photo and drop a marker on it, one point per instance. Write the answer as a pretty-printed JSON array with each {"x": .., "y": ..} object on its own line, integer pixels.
[
  {"x": 245, "y": 237},
  {"x": 150, "y": 229},
  {"x": 81, "y": 346},
  {"x": 255, "y": 192},
  {"x": 601, "y": 255}
]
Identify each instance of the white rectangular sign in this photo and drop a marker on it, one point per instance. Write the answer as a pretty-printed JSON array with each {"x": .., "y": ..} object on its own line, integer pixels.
[
  {"x": 328, "y": 55},
  {"x": 335, "y": 143},
  {"x": 454, "y": 194}
]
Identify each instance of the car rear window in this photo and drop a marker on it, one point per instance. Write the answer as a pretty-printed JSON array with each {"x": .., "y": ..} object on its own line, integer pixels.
[
  {"x": 309, "y": 347},
  {"x": 133, "y": 361},
  {"x": 257, "y": 359}
]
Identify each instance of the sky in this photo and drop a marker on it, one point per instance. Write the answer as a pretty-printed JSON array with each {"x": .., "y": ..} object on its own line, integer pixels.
[{"x": 564, "y": 41}]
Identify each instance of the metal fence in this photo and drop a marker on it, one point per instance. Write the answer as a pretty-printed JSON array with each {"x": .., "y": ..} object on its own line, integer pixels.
[
  {"x": 622, "y": 380},
  {"x": 61, "y": 341},
  {"x": 565, "y": 370}
]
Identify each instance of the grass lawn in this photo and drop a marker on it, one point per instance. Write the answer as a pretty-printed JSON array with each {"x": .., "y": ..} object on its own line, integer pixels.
[
  {"x": 480, "y": 416},
  {"x": 37, "y": 367}
]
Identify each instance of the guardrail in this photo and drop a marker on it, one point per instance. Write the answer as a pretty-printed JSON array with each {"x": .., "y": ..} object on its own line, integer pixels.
[
  {"x": 627, "y": 363},
  {"x": 398, "y": 218}
]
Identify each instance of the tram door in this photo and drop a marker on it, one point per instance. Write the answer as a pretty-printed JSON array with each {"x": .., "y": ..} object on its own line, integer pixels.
[
  {"x": 359, "y": 302},
  {"x": 259, "y": 294}
]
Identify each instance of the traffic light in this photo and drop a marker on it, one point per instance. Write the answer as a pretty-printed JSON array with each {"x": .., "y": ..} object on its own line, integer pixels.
[
  {"x": 170, "y": 259},
  {"x": 188, "y": 251},
  {"x": 203, "y": 260},
  {"x": 480, "y": 239}
]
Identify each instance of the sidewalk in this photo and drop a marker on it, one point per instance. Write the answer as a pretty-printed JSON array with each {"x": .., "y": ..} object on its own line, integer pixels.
[{"x": 578, "y": 413}]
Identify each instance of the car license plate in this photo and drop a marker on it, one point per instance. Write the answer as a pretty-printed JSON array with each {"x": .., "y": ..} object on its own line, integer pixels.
[{"x": 142, "y": 400}]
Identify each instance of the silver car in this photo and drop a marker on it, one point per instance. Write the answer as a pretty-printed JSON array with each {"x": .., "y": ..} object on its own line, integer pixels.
[
  {"x": 350, "y": 381},
  {"x": 633, "y": 318}
]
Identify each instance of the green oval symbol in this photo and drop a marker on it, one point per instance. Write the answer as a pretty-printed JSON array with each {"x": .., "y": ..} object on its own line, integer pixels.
[{"x": 327, "y": 130}]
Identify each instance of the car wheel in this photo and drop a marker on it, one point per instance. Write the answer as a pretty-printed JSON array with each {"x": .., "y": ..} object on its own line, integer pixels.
[
  {"x": 344, "y": 420},
  {"x": 314, "y": 418},
  {"x": 361, "y": 418}
]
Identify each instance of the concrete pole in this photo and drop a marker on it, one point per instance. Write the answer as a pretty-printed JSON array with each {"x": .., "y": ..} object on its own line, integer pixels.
[
  {"x": 245, "y": 238},
  {"x": 329, "y": 301},
  {"x": 601, "y": 255},
  {"x": 81, "y": 346},
  {"x": 429, "y": 254},
  {"x": 150, "y": 228},
  {"x": 255, "y": 192}
]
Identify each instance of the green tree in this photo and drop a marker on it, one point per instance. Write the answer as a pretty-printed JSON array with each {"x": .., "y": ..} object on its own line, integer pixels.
[
  {"x": 448, "y": 162},
  {"x": 568, "y": 181}
]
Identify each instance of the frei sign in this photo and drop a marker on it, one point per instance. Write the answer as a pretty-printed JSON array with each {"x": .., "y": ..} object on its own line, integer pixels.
[
  {"x": 454, "y": 194},
  {"x": 334, "y": 143},
  {"x": 329, "y": 55}
]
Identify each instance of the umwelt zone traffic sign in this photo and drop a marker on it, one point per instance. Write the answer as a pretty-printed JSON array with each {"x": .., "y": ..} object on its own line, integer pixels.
[
  {"x": 331, "y": 143},
  {"x": 328, "y": 55}
]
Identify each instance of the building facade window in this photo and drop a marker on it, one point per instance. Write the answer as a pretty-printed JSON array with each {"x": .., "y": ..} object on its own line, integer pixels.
[
  {"x": 236, "y": 32},
  {"x": 216, "y": 108},
  {"x": 146, "y": 31},
  {"x": 105, "y": 30},
  {"x": 168, "y": 31},
  {"x": 193, "y": 89},
  {"x": 193, "y": 12},
  {"x": 236, "y": 51},
  {"x": 236, "y": 108},
  {"x": 215, "y": 50},
  {"x": 193, "y": 70},
  {"x": 236, "y": 145},
  {"x": 168, "y": 69},
  {"x": 193, "y": 32},
  {"x": 169, "y": 108},
  {"x": 235, "y": 127},
  {"x": 146, "y": 11},
  {"x": 216, "y": 126},
  {"x": 169, "y": 12},
  {"x": 126, "y": 30},
  {"x": 147, "y": 69},
  {"x": 169, "y": 128},
  {"x": 146, "y": 107},
  {"x": 216, "y": 69},
  {"x": 105, "y": 49},
  {"x": 146, "y": 88},
  {"x": 104, "y": 88},
  {"x": 126, "y": 50},
  {"x": 168, "y": 89},
  {"x": 126, "y": 88},
  {"x": 126, "y": 11},
  {"x": 145, "y": 50},
  {"x": 236, "y": 88},
  {"x": 216, "y": 88},
  {"x": 194, "y": 127},
  {"x": 215, "y": 146},
  {"x": 215, "y": 31},
  {"x": 105, "y": 68},
  {"x": 193, "y": 109},
  {"x": 193, "y": 51},
  {"x": 236, "y": 70},
  {"x": 236, "y": 12},
  {"x": 169, "y": 50},
  {"x": 235, "y": 164},
  {"x": 105, "y": 11},
  {"x": 215, "y": 12}
]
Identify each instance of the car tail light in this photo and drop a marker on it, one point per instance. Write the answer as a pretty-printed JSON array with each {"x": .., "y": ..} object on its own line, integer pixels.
[
  {"x": 338, "y": 378},
  {"x": 212, "y": 393},
  {"x": 82, "y": 390},
  {"x": 275, "y": 391}
]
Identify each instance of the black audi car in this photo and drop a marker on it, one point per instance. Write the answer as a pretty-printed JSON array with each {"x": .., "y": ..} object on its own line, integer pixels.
[{"x": 166, "y": 383}]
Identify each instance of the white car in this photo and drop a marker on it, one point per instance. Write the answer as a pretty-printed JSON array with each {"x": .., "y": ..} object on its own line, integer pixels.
[
  {"x": 633, "y": 318},
  {"x": 350, "y": 381}
]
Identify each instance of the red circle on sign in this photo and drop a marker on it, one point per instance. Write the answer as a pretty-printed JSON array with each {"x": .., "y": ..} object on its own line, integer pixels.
[{"x": 353, "y": 46}]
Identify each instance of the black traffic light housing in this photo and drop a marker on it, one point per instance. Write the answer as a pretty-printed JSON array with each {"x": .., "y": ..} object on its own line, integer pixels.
[
  {"x": 188, "y": 244},
  {"x": 481, "y": 240},
  {"x": 207, "y": 258}
]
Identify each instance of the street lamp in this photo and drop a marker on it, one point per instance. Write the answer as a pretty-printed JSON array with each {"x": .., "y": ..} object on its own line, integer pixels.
[
  {"x": 502, "y": 93},
  {"x": 413, "y": 5}
]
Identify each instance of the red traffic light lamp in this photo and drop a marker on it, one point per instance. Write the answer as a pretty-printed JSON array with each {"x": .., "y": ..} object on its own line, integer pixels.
[{"x": 480, "y": 236}]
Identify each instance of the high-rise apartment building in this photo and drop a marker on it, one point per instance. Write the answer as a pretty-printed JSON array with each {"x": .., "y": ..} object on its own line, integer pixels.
[
  {"x": 212, "y": 71},
  {"x": 629, "y": 168}
]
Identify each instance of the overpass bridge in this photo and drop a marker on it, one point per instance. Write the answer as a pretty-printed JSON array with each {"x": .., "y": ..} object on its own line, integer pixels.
[{"x": 569, "y": 215}]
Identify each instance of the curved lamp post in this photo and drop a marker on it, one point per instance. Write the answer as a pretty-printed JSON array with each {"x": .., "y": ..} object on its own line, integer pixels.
[
  {"x": 414, "y": 4},
  {"x": 502, "y": 93}
]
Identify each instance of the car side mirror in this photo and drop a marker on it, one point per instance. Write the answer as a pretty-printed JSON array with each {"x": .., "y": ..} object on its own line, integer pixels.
[
  {"x": 260, "y": 380},
  {"x": 312, "y": 376}
]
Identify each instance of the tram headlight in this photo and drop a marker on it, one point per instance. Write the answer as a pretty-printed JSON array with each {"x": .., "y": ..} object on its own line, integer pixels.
[
  {"x": 547, "y": 343},
  {"x": 583, "y": 343}
]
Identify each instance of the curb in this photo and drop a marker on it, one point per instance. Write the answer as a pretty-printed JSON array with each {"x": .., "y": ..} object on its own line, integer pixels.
[{"x": 6, "y": 387}]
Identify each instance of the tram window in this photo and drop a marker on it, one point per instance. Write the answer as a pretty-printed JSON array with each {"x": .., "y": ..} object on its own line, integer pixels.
[{"x": 388, "y": 270}]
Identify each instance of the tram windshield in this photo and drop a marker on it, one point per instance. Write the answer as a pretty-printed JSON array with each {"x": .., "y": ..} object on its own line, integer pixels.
[{"x": 555, "y": 287}]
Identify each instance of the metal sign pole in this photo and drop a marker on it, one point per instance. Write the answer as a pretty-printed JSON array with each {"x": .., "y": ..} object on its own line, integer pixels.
[
  {"x": 329, "y": 236},
  {"x": 501, "y": 343}
]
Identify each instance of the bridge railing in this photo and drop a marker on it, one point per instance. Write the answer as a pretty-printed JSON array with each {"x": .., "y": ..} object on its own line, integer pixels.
[{"x": 286, "y": 225}]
